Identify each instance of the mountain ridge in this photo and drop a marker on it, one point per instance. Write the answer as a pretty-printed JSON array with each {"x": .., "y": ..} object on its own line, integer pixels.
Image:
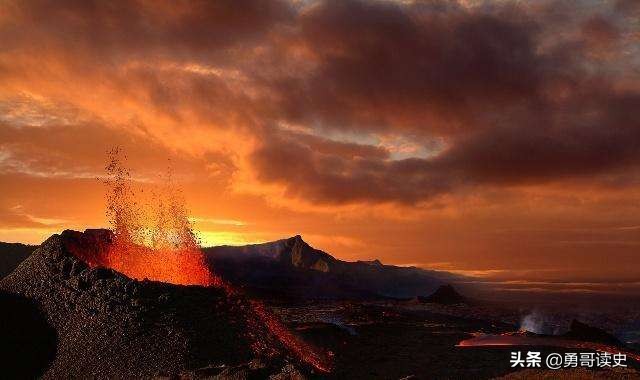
[
  {"x": 294, "y": 267},
  {"x": 291, "y": 267}
]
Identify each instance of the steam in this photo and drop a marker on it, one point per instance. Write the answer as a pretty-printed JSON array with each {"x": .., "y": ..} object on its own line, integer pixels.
[
  {"x": 532, "y": 322},
  {"x": 540, "y": 323}
]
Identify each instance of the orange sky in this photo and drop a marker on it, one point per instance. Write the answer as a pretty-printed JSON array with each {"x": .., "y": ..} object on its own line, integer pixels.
[{"x": 491, "y": 138}]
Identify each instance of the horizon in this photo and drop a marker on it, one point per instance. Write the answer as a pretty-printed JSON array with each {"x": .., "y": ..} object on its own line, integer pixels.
[
  {"x": 541, "y": 292},
  {"x": 493, "y": 139}
]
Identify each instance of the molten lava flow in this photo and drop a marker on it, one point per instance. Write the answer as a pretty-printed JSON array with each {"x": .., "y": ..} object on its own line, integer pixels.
[
  {"x": 160, "y": 265},
  {"x": 164, "y": 248},
  {"x": 301, "y": 349}
]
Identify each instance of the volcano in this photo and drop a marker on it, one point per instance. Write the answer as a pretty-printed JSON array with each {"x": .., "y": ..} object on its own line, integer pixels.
[
  {"x": 105, "y": 324},
  {"x": 444, "y": 295}
]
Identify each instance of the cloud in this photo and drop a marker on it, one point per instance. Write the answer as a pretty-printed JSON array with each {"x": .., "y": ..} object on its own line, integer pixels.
[
  {"x": 489, "y": 95},
  {"x": 311, "y": 171},
  {"x": 512, "y": 106},
  {"x": 80, "y": 151}
]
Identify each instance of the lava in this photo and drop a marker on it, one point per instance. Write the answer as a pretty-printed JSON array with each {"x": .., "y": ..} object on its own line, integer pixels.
[
  {"x": 160, "y": 247},
  {"x": 164, "y": 248},
  {"x": 297, "y": 346}
]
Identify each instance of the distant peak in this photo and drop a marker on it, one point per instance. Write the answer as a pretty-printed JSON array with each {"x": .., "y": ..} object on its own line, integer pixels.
[
  {"x": 296, "y": 239},
  {"x": 445, "y": 294}
]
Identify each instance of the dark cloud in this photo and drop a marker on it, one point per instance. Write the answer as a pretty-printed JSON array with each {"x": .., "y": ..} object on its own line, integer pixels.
[
  {"x": 119, "y": 30},
  {"x": 341, "y": 174},
  {"x": 599, "y": 30},
  {"x": 518, "y": 93},
  {"x": 513, "y": 105},
  {"x": 396, "y": 67},
  {"x": 605, "y": 138}
]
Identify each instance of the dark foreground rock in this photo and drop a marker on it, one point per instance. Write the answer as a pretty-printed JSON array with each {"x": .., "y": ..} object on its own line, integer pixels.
[
  {"x": 27, "y": 342},
  {"x": 97, "y": 323}
]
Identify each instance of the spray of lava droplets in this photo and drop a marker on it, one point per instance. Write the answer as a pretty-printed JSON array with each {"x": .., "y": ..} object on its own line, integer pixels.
[{"x": 160, "y": 245}]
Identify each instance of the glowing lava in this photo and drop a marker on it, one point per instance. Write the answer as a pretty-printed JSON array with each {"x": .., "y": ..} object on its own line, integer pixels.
[
  {"x": 164, "y": 248},
  {"x": 297, "y": 346},
  {"x": 160, "y": 246}
]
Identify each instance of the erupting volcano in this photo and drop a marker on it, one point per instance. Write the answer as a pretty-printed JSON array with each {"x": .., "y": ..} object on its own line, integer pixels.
[
  {"x": 156, "y": 242},
  {"x": 147, "y": 323}
]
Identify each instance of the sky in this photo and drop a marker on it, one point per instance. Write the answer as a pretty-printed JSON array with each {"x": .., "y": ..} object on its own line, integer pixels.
[{"x": 499, "y": 139}]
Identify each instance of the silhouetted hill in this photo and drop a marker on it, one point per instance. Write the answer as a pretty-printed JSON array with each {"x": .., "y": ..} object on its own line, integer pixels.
[
  {"x": 12, "y": 254},
  {"x": 444, "y": 295},
  {"x": 291, "y": 267}
]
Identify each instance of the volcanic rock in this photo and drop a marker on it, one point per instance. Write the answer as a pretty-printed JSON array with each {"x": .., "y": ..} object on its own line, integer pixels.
[
  {"x": 27, "y": 341},
  {"x": 107, "y": 325},
  {"x": 444, "y": 295}
]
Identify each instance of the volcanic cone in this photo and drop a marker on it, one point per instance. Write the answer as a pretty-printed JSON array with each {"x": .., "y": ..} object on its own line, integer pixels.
[{"x": 108, "y": 325}]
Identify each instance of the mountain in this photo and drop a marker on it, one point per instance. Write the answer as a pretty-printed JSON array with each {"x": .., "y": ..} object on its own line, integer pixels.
[
  {"x": 292, "y": 268},
  {"x": 444, "y": 295},
  {"x": 12, "y": 254},
  {"x": 68, "y": 320}
]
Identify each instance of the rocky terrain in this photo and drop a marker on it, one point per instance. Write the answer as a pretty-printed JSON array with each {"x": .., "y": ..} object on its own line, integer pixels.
[
  {"x": 70, "y": 320},
  {"x": 414, "y": 340},
  {"x": 94, "y": 322}
]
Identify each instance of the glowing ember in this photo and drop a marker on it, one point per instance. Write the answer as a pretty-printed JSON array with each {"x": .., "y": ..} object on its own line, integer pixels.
[{"x": 164, "y": 248}]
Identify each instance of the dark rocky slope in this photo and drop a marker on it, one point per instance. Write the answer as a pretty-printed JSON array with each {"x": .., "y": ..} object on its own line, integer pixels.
[{"x": 107, "y": 325}]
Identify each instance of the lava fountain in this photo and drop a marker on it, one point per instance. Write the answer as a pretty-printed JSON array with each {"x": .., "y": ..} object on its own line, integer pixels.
[{"x": 160, "y": 245}]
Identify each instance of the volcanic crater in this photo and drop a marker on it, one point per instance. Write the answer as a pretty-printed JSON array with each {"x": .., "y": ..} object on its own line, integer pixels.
[{"x": 104, "y": 324}]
